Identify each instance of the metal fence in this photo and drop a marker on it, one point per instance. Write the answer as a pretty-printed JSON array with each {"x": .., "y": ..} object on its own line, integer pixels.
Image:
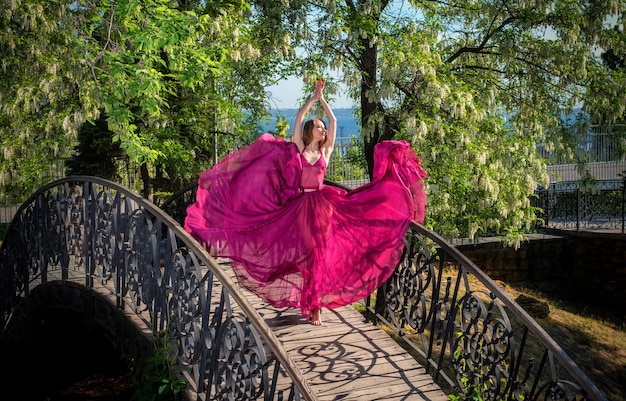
[
  {"x": 470, "y": 336},
  {"x": 575, "y": 205},
  {"x": 465, "y": 330},
  {"x": 7, "y": 213},
  {"x": 601, "y": 155},
  {"x": 468, "y": 333}
]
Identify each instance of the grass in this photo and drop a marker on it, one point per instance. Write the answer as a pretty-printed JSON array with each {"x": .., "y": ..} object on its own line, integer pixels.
[{"x": 595, "y": 340}]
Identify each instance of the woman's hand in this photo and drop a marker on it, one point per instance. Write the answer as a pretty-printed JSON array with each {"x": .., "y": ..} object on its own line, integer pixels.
[{"x": 319, "y": 87}]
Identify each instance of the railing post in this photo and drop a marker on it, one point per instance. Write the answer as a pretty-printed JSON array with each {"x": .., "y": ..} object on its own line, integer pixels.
[
  {"x": 623, "y": 202},
  {"x": 578, "y": 202},
  {"x": 546, "y": 203}
]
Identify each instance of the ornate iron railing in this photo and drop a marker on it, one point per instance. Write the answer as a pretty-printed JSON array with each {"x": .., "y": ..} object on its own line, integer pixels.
[
  {"x": 102, "y": 233},
  {"x": 470, "y": 335},
  {"x": 570, "y": 205}
]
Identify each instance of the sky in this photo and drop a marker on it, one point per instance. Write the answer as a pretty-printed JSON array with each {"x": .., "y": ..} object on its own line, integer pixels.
[{"x": 288, "y": 92}]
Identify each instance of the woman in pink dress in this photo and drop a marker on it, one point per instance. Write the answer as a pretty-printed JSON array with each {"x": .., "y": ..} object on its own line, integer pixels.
[{"x": 294, "y": 241}]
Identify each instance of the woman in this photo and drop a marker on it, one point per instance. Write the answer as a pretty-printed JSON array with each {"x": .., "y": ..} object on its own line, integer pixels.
[
  {"x": 317, "y": 141},
  {"x": 295, "y": 242}
]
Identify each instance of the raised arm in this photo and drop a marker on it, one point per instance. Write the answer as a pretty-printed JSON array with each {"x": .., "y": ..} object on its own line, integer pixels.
[
  {"x": 297, "y": 129},
  {"x": 331, "y": 130}
]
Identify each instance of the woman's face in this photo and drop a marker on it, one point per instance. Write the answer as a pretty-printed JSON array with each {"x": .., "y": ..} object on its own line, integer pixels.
[{"x": 319, "y": 130}]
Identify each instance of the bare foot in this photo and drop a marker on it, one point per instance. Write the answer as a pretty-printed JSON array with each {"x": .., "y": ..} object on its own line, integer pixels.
[{"x": 316, "y": 319}]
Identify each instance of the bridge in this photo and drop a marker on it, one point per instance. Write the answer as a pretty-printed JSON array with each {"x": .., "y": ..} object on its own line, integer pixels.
[{"x": 438, "y": 329}]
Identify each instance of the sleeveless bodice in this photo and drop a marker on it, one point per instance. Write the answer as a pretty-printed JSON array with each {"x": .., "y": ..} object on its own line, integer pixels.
[{"x": 313, "y": 174}]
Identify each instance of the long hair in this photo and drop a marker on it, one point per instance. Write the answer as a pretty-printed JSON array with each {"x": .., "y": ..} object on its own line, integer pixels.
[{"x": 307, "y": 131}]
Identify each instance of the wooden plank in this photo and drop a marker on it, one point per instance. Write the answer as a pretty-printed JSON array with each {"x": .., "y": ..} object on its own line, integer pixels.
[{"x": 348, "y": 358}]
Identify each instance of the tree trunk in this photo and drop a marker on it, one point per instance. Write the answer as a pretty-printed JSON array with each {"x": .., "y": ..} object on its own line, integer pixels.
[
  {"x": 369, "y": 58},
  {"x": 368, "y": 108},
  {"x": 145, "y": 179}
]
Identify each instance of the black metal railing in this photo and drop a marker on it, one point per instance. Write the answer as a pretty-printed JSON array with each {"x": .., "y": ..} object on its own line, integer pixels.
[
  {"x": 95, "y": 231},
  {"x": 470, "y": 335},
  {"x": 573, "y": 206}
]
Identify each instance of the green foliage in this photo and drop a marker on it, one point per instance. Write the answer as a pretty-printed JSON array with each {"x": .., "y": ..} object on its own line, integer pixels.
[
  {"x": 163, "y": 75},
  {"x": 355, "y": 154},
  {"x": 475, "y": 86},
  {"x": 95, "y": 154},
  {"x": 471, "y": 393},
  {"x": 157, "y": 378},
  {"x": 282, "y": 126}
]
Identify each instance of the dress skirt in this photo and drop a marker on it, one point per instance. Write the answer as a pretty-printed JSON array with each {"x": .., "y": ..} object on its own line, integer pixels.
[{"x": 306, "y": 250}]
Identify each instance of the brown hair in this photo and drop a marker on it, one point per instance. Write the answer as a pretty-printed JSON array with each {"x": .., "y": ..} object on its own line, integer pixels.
[{"x": 307, "y": 131}]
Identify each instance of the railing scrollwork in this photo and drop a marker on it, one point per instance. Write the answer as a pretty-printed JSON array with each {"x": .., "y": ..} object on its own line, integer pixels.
[
  {"x": 469, "y": 334},
  {"x": 464, "y": 328},
  {"x": 97, "y": 233}
]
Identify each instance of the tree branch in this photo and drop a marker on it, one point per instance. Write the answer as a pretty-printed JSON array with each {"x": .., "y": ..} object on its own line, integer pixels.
[{"x": 483, "y": 43}]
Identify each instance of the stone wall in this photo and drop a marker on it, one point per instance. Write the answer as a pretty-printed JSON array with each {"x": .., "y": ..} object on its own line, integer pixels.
[{"x": 585, "y": 266}]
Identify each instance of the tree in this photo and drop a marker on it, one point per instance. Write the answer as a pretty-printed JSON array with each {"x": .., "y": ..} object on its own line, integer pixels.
[
  {"x": 164, "y": 75},
  {"x": 614, "y": 58},
  {"x": 475, "y": 85},
  {"x": 96, "y": 153}
]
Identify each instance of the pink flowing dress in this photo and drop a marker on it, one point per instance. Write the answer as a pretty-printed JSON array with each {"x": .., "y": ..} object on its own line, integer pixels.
[{"x": 307, "y": 250}]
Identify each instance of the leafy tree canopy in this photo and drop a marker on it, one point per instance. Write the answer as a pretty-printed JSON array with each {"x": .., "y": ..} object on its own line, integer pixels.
[
  {"x": 169, "y": 78},
  {"x": 476, "y": 86}
]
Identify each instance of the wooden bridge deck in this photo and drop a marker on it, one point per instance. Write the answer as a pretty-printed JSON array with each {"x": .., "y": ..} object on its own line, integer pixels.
[{"x": 348, "y": 358}]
